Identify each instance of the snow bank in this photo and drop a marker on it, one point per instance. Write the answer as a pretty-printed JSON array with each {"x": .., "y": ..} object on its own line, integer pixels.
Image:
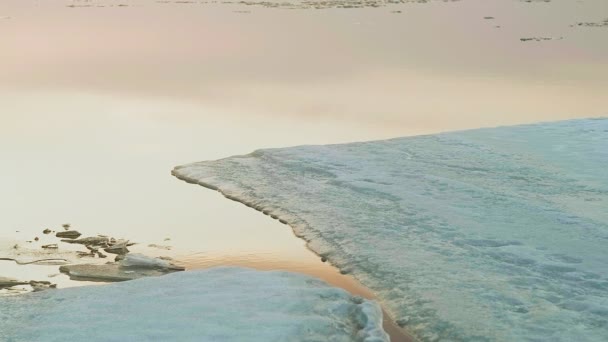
[
  {"x": 490, "y": 234},
  {"x": 220, "y": 304}
]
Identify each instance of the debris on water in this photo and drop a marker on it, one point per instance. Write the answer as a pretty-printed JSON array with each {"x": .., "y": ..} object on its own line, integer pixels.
[
  {"x": 51, "y": 246},
  {"x": 153, "y": 245},
  {"x": 70, "y": 234},
  {"x": 593, "y": 24},
  {"x": 488, "y": 18},
  {"x": 539, "y": 39}
]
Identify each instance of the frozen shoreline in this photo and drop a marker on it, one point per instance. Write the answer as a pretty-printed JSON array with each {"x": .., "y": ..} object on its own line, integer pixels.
[
  {"x": 227, "y": 303},
  {"x": 272, "y": 181},
  {"x": 395, "y": 332}
]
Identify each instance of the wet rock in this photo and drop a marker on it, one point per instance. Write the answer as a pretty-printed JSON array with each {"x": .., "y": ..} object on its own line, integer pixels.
[
  {"x": 66, "y": 226},
  {"x": 90, "y": 241},
  {"x": 10, "y": 282},
  {"x": 38, "y": 286},
  {"x": 70, "y": 234},
  {"x": 36, "y": 239},
  {"x": 118, "y": 248},
  {"x": 85, "y": 254},
  {"x": 153, "y": 245},
  {"x": 92, "y": 248},
  {"x": 46, "y": 231},
  {"x": 130, "y": 267}
]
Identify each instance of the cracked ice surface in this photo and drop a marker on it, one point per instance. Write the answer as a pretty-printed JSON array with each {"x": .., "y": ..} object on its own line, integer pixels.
[
  {"x": 219, "y": 304},
  {"x": 488, "y": 234}
]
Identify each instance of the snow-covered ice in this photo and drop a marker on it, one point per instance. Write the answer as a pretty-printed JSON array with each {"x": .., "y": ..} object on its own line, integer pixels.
[
  {"x": 488, "y": 234},
  {"x": 219, "y": 304}
]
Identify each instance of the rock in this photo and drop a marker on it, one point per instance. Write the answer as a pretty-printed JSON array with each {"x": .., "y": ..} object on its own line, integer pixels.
[
  {"x": 66, "y": 226},
  {"x": 90, "y": 241},
  {"x": 101, "y": 255},
  {"x": 160, "y": 246},
  {"x": 118, "y": 248},
  {"x": 139, "y": 261},
  {"x": 91, "y": 248},
  {"x": 70, "y": 234},
  {"x": 85, "y": 254},
  {"x": 36, "y": 238},
  {"x": 46, "y": 231},
  {"x": 10, "y": 282},
  {"x": 111, "y": 272},
  {"x": 51, "y": 246},
  {"x": 38, "y": 286}
]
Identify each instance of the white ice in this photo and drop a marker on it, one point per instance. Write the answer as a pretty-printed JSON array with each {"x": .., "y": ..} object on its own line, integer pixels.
[
  {"x": 220, "y": 304},
  {"x": 491, "y": 234}
]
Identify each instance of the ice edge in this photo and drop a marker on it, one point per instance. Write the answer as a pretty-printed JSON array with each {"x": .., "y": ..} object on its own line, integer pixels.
[{"x": 183, "y": 177}]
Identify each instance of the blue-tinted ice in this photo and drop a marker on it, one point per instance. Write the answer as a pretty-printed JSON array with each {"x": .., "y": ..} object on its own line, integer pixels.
[
  {"x": 489, "y": 234},
  {"x": 220, "y": 304}
]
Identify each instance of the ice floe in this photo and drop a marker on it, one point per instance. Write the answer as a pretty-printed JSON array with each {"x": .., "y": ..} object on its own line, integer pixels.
[
  {"x": 220, "y": 304},
  {"x": 490, "y": 234}
]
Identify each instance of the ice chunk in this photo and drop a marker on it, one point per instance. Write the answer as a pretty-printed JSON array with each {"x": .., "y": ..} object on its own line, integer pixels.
[
  {"x": 143, "y": 261},
  {"x": 132, "y": 266},
  {"x": 221, "y": 304},
  {"x": 489, "y": 234}
]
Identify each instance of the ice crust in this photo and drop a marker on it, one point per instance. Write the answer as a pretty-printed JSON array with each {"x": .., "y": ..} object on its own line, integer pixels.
[
  {"x": 219, "y": 304},
  {"x": 491, "y": 234}
]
